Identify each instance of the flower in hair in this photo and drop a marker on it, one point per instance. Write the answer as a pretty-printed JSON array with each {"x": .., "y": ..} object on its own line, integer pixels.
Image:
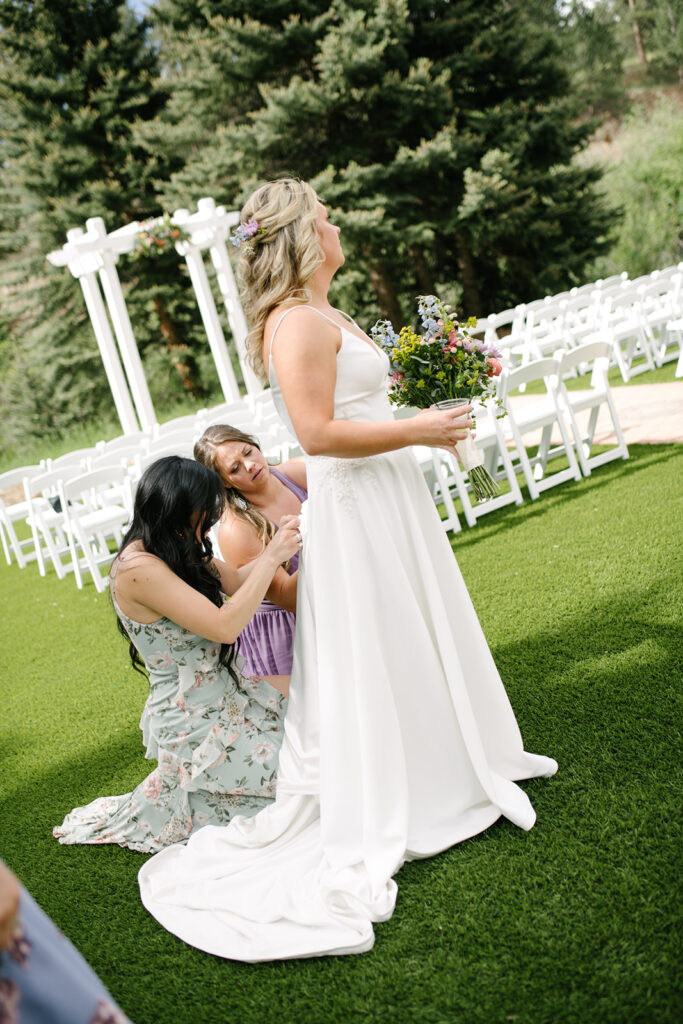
[{"x": 246, "y": 234}]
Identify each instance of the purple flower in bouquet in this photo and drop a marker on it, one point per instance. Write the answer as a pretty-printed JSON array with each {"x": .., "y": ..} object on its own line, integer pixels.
[{"x": 443, "y": 363}]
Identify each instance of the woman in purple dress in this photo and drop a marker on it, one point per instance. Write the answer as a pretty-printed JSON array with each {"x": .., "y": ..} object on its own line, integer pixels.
[{"x": 258, "y": 495}]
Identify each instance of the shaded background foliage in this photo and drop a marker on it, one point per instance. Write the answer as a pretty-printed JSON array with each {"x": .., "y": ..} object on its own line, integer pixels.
[{"x": 443, "y": 134}]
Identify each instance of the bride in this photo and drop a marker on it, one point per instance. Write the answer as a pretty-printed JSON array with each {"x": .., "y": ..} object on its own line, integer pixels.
[{"x": 399, "y": 738}]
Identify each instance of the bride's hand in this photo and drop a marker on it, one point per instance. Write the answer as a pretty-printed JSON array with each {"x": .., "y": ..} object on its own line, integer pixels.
[
  {"x": 287, "y": 541},
  {"x": 442, "y": 428}
]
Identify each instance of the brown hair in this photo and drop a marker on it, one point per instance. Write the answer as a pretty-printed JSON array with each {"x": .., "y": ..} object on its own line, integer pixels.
[{"x": 205, "y": 451}]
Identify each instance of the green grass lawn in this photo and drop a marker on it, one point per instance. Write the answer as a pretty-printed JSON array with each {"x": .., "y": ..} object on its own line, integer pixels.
[{"x": 580, "y": 596}]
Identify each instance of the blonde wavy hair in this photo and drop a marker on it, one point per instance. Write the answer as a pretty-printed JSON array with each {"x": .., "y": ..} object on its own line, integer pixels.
[
  {"x": 277, "y": 267},
  {"x": 206, "y": 450}
]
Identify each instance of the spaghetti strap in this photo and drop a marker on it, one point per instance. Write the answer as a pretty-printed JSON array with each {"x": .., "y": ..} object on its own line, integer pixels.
[
  {"x": 301, "y": 305},
  {"x": 348, "y": 317}
]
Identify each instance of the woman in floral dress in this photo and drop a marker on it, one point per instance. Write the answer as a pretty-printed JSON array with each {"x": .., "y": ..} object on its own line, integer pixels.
[{"x": 214, "y": 733}]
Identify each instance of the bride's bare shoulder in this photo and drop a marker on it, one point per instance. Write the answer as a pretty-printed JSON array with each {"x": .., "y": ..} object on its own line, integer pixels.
[{"x": 297, "y": 321}]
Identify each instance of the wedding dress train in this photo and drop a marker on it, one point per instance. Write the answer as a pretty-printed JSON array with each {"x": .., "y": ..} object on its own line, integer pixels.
[{"x": 399, "y": 738}]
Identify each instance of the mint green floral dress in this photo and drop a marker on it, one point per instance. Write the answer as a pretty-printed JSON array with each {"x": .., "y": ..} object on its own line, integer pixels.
[{"x": 216, "y": 743}]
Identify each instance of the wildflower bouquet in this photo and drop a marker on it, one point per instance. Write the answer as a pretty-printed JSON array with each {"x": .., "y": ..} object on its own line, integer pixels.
[
  {"x": 157, "y": 236},
  {"x": 443, "y": 367}
]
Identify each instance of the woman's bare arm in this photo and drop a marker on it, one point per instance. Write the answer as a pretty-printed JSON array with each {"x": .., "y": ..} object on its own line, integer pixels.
[
  {"x": 241, "y": 545},
  {"x": 147, "y": 589},
  {"x": 305, "y": 354}
]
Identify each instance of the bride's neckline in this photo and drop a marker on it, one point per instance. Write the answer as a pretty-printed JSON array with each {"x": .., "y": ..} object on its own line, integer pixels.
[{"x": 362, "y": 337}]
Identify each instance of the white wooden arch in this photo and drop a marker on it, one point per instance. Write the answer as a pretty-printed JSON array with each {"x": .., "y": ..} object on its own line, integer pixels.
[{"x": 91, "y": 256}]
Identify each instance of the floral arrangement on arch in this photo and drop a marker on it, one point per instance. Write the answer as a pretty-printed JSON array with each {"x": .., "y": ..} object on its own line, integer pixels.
[
  {"x": 157, "y": 236},
  {"x": 443, "y": 366}
]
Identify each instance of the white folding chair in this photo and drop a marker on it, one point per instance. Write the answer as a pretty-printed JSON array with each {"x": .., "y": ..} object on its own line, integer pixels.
[
  {"x": 45, "y": 516},
  {"x": 432, "y": 462},
  {"x": 97, "y": 507},
  {"x": 81, "y": 458},
  {"x": 624, "y": 328},
  {"x": 537, "y": 413},
  {"x": 660, "y": 304},
  {"x": 490, "y": 439},
  {"x": 12, "y": 512},
  {"x": 542, "y": 332},
  {"x": 675, "y": 336},
  {"x": 596, "y": 355}
]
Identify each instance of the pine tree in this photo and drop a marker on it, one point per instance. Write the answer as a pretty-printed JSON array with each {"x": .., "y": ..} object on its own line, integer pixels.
[
  {"x": 76, "y": 74},
  {"x": 446, "y": 132},
  {"x": 217, "y": 57},
  {"x": 442, "y": 134}
]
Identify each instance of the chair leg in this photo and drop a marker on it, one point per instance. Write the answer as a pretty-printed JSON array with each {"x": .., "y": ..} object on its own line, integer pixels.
[
  {"x": 508, "y": 467},
  {"x": 531, "y": 484},
  {"x": 11, "y": 543},
  {"x": 541, "y": 459},
  {"x": 451, "y": 522}
]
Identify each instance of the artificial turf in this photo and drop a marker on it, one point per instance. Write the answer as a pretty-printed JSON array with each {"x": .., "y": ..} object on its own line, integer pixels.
[{"x": 576, "y": 921}]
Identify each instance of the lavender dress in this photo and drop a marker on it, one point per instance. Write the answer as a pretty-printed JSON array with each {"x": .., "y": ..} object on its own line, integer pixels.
[{"x": 267, "y": 642}]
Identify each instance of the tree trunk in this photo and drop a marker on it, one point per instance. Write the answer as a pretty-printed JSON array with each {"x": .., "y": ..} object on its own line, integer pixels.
[
  {"x": 173, "y": 342},
  {"x": 422, "y": 272},
  {"x": 471, "y": 300},
  {"x": 637, "y": 35},
  {"x": 386, "y": 293}
]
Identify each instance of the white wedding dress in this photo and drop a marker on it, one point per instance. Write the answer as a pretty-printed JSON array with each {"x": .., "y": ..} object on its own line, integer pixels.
[{"x": 399, "y": 737}]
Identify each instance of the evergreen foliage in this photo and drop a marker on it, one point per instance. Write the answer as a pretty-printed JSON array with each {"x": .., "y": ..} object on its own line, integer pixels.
[
  {"x": 441, "y": 133},
  {"x": 76, "y": 74}
]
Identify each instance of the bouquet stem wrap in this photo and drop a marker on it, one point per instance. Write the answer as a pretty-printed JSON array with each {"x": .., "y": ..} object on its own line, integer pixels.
[{"x": 481, "y": 481}]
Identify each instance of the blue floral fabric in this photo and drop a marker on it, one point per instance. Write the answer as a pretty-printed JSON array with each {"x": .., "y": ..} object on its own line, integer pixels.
[{"x": 45, "y": 980}]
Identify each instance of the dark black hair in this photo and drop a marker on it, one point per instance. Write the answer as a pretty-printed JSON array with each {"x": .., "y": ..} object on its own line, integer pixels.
[{"x": 172, "y": 491}]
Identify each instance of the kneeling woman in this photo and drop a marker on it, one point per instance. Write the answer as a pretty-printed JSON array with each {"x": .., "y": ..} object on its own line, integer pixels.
[
  {"x": 215, "y": 733},
  {"x": 258, "y": 495}
]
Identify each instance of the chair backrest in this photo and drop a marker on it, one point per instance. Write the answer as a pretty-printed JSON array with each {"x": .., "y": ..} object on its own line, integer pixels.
[
  {"x": 588, "y": 353},
  {"x": 174, "y": 443},
  {"x": 539, "y": 369},
  {"x": 47, "y": 483},
  {"x": 113, "y": 459},
  {"x": 80, "y": 457},
  {"x": 96, "y": 487},
  {"x": 187, "y": 423},
  {"x": 125, "y": 442},
  {"x": 616, "y": 280},
  {"x": 12, "y": 477}
]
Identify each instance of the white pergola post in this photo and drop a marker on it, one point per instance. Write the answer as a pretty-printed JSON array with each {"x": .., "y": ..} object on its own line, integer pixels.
[
  {"x": 96, "y": 252},
  {"x": 212, "y": 325},
  {"x": 110, "y": 357},
  {"x": 208, "y": 229},
  {"x": 84, "y": 269},
  {"x": 122, "y": 326},
  {"x": 233, "y": 307},
  {"x": 199, "y": 236},
  {"x": 228, "y": 286}
]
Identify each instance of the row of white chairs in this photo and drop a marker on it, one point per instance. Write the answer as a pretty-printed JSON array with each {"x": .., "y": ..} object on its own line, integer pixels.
[
  {"x": 73, "y": 507},
  {"x": 562, "y": 420},
  {"x": 74, "y": 515},
  {"x": 587, "y": 330},
  {"x": 641, "y": 319}
]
